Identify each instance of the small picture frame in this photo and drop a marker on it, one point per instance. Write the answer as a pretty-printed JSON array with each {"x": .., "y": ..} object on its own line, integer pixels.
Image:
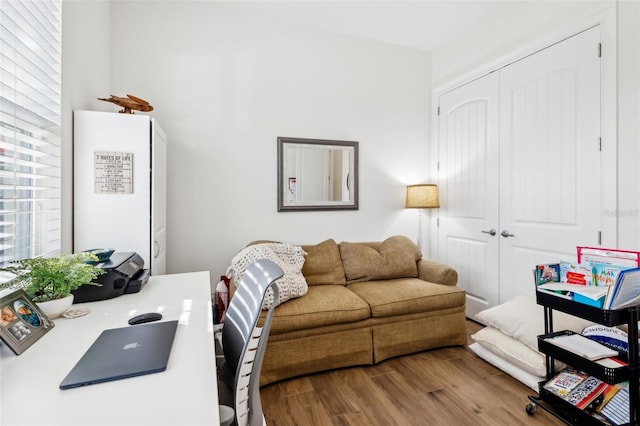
[{"x": 22, "y": 323}]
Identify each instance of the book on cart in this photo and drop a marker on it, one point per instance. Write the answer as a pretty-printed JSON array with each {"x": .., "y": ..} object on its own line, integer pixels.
[
  {"x": 577, "y": 388},
  {"x": 626, "y": 290},
  {"x": 565, "y": 381},
  {"x": 608, "y": 256},
  {"x": 583, "y": 346},
  {"x": 616, "y": 408}
]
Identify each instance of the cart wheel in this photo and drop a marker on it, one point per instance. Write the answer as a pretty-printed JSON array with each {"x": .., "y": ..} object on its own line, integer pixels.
[{"x": 531, "y": 409}]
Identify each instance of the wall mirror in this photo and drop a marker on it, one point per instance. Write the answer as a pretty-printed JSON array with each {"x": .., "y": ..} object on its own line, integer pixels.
[{"x": 315, "y": 174}]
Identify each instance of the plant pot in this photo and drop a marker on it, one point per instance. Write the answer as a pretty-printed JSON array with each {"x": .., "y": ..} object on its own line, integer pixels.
[{"x": 55, "y": 308}]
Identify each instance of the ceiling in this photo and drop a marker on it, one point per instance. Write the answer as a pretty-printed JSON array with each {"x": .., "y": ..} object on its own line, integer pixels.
[{"x": 419, "y": 24}]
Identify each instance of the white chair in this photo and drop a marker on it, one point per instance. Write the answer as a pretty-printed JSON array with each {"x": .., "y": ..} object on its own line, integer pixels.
[{"x": 243, "y": 345}]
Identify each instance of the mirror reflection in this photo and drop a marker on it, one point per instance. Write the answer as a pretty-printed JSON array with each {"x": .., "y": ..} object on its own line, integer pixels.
[{"x": 317, "y": 174}]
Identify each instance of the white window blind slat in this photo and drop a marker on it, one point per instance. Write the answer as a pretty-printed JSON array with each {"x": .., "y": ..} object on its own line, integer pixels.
[{"x": 30, "y": 117}]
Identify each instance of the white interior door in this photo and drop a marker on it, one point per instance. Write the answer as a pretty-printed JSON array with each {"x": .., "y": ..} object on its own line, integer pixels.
[
  {"x": 468, "y": 181},
  {"x": 550, "y": 168},
  {"x": 519, "y": 155}
]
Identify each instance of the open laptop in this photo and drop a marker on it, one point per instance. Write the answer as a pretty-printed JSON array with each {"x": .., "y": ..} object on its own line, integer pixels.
[{"x": 120, "y": 353}]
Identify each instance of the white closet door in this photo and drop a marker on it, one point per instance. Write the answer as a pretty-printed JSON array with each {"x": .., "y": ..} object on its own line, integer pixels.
[
  {"x": 550, "y": 169},
  {"x": 468, "y": 180},
  {"x": 519, "y": 154},
  {"x": 159, "y": 200}
]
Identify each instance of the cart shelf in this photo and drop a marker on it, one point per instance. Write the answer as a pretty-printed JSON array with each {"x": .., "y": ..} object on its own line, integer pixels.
[{"x": 631, "y": 372}]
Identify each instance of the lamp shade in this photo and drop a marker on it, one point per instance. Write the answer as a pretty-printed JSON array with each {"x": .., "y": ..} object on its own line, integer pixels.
[{"x": 423, "y": 196}]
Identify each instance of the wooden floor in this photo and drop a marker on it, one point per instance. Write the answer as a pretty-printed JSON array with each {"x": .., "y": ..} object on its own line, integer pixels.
[{"x": 448, "y": 386}]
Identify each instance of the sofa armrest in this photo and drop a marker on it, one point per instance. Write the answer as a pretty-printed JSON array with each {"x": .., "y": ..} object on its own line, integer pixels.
[{"x": 436, "y": 272}]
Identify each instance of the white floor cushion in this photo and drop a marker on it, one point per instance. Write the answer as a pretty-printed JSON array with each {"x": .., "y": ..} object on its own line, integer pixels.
[
  {"x": 511, "y": 350},
  {"x": 523, "y": 319},
  {"x": 514, "y": 371}
]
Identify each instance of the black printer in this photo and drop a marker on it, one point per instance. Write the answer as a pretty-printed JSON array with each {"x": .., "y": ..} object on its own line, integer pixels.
[{"x": 124, "y": 274}]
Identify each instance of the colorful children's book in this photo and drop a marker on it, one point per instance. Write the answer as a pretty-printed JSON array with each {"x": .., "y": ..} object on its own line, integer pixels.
[
  {"x": 547, "y": 273},
  {"x": 604, "y": 275},
  {"x": 576, "y": 387},
  {"x": 575, "y": 273},
  {"x": 586, "y": 393},
  {"x": 565, "y": 381}
]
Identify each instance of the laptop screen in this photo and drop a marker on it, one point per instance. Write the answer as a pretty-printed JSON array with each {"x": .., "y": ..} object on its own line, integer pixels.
[{"x": 120, "y": 353}]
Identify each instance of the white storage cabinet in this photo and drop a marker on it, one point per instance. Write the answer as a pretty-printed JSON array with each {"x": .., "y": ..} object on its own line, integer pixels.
[{"x": 119, "y": 185}]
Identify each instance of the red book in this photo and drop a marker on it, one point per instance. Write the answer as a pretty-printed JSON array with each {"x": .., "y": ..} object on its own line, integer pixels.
[{"x": 586, "y": 392}]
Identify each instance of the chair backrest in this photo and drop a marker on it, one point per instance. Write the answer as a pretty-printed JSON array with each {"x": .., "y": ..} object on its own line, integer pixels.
[{"x": 244, "y": 342}]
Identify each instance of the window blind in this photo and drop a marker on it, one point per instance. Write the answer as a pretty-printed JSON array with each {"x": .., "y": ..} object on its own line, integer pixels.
[{"x": 30, "y": 110}]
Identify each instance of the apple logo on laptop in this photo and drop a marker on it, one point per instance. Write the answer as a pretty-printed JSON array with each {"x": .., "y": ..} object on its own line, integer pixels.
[{"x": 131, "y": 346}]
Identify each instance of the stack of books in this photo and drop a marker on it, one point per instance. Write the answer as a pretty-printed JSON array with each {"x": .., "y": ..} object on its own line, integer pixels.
[
  {"x": 590, "y": 394},
  {"x": 577, "y": 388},
  {"x": 604, "y": 278}
]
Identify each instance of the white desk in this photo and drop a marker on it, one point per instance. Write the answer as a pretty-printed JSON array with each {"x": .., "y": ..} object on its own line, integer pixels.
[{"x": 185, "y": 394}]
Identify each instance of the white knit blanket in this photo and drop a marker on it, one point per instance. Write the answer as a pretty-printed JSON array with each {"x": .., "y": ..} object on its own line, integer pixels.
[{"x": 290, "y": 258}]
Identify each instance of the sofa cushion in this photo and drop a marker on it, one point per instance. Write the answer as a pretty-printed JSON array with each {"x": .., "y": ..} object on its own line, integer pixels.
[
  {"x": 322, "y": 264},
  {"x": 395, "y": 257},
  {"x": 407, "y": 296},
  {"x": 322, "y": 305}
]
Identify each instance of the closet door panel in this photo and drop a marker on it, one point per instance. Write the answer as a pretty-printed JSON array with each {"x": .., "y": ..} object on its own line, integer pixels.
[
  {"x": 159, "y": 200},
  {"x": 550, "y": 173},
  {"x": 468, "y": 180}
]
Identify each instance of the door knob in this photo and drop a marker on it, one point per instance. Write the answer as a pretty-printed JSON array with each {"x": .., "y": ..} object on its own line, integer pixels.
[
  {"x": 506, "y": 234},
  {"x": 491, "y": 232}
]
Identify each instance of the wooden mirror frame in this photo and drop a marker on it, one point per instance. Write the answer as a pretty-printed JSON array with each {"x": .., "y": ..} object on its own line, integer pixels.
[{"x": 351, "y": 179}]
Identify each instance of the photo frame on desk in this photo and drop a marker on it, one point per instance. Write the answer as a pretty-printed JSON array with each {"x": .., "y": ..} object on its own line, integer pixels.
[{"x": 22, "y": 323}]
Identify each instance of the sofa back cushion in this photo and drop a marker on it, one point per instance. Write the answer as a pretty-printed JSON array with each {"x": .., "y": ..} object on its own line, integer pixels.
[
  {"x": 395, "y": 257},
  {"x": 322, "y": 264}
]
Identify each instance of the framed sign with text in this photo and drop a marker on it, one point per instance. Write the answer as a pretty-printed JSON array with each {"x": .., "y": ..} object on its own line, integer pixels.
[{"x": 113, "y": 172}]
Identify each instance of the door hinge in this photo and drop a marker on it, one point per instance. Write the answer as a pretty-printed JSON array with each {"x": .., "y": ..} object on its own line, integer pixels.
[
  {"x": 599, "y": 50},
  {"x": 438, "y": 165},
  {"x": 437, "y": 222},
  {"x": 600, "y": 144},
  {"x": 599, "y": 237},
  {"x": 438, "y": 110}
]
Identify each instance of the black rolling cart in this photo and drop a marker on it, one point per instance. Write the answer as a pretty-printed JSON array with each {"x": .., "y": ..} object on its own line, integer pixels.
[{"x": 558, "y": 406}]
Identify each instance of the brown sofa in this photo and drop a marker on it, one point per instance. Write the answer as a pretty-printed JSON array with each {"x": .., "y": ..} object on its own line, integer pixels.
[{"x": 366, "y": 302}]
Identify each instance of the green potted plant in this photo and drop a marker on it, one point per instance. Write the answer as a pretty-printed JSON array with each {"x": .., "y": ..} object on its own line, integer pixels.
[{"x": 50, "y": 280}]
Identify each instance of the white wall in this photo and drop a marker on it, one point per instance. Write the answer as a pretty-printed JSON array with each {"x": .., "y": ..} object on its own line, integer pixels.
[
  {"x": 85, "y": 76},
  {"x": 493, "y": 41},
  {"x": 225, "y": 85}
]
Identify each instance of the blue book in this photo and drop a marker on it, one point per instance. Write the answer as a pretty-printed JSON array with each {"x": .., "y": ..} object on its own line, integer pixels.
[
  {"x": 626, "y": 290},
  {"x": 617, "y": 409},
  {"x": 598, "y": 303}
]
